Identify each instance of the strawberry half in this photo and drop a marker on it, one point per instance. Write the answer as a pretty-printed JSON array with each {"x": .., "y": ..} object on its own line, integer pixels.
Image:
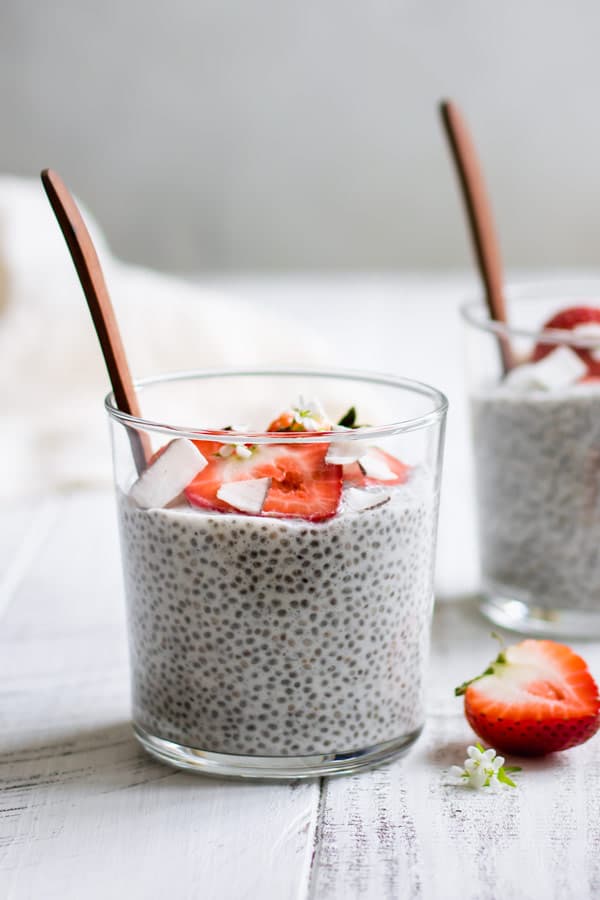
[
  {"x": 354, "y": 474},
  {"x": 567, "y": 320},
  {"x": 537, "y": 697},
  {"x": 303, "y": 485}
]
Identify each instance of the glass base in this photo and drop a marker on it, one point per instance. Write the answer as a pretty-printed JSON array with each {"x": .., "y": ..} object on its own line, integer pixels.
[
  {"x": 272, "y": 767},
  {"x": 515, "y": 615}
]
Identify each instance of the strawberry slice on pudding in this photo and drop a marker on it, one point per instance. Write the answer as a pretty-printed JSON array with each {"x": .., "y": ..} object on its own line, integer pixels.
[
  {"x": 302, "y": 485},
  {"x": 584, "y": 322}
]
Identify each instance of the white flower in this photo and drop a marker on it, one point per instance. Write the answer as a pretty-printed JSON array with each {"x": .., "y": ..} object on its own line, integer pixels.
[
  {"x": 456, "y": 775},
  {"x": 310, "y": 414},
  {"x": 240, "y": 450},
  {"x": 481, "y": 769}
]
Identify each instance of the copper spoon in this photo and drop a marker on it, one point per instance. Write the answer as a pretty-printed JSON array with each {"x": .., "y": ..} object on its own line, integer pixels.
[
  {"x": 87, "y": 265},
  {"x": 481, "y": 220}
]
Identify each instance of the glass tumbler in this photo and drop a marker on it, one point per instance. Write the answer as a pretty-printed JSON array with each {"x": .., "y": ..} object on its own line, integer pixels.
[
  {"x": 279, "y": 606},
  {"x": 536, "y": 445}
]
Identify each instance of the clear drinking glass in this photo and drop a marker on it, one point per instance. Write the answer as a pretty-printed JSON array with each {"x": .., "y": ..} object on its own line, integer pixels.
[
  {"x": 273, "y": 645},
  {"x": 537, "y": 466}
]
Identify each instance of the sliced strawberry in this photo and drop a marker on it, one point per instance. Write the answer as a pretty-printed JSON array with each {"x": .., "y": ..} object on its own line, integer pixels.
[
  {"x": 353, "y": 474},
  {"x": 567, "y": 320},
  {"x": 285, "y": 422},
  {"x": 535, "y": 698},
  {"x": 303, "y": 485}
]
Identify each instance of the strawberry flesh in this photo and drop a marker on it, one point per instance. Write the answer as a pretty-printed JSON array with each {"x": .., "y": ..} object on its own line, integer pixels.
[
  {"x": 303, "y": 485},
  {"x": 285, "y": 422},
  {"x": 566, "y": 320},
  {"x": 537, "y": 697}
]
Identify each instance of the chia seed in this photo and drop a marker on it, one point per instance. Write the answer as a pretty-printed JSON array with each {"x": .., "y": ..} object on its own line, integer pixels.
[
  {"x": 537, "y": 462},
  {"x": 342, "y": 659}
]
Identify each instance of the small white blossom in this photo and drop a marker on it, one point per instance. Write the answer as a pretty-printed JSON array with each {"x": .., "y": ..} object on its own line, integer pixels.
[
  {"x": 310, "y": 414},
  {"x": 481, "y": 769},
  {"x": 240, "y": 450}
]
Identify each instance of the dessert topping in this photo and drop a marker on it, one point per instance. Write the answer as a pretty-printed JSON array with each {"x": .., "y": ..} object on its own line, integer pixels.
[
  {"x": 248, "y": 496},
  {"x": 240, "y": 450},
  {"x": 374, "y": 466},
  {"x": 370, "y": 468},
  {"x": 302, "y": 485},
  {"x": 304, "y": 480},
  {"x": 348, "y": 420},
  {"x": 170, "y": 471},
  {"x": 345, "y": 452},
  {"x": 307, "y": 415},
  {"x": 579, "y": 320},
  {"x": 590, "y": 331},
  {"x": 359, "y": 499},
  {"x": 558, "y": 369}
]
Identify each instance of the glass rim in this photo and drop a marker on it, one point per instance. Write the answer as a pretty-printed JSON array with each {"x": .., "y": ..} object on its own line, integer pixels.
[
  {"x": 414, "y": 423},
  {"x": 474, "y": 311}
]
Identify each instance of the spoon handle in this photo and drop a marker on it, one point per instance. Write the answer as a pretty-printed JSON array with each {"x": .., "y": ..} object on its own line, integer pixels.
[
  {"x": 481, "y": 220},
  {"x": 87, "y": 266}
]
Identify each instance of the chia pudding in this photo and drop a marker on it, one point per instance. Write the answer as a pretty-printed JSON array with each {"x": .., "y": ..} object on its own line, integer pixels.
[
  {"x": 280, "y": 636},
  {"x": 537, "y": 461}
]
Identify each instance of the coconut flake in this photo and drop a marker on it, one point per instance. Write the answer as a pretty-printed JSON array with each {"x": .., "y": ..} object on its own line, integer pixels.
[
  {"x": 168, "y": 475},
  {"x": 590, "y": 330},
  {"x": 373, "y": 467},
  {"x": 559, "y": 369},
  {"x": 248, "y": 496},
  {"x": 521, "y": 378},
  {"x": 361, "y": 500},
  {"x": 345, "y": 452}
]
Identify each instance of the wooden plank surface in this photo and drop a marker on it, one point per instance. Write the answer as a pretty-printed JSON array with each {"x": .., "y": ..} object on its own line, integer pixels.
[
  {"x": 400, "y": 832},
  {"x": 83, "y": 812}
]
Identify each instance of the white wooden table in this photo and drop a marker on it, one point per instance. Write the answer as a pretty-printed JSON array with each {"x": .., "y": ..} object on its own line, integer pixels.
[{"x": 84, "y": 813}]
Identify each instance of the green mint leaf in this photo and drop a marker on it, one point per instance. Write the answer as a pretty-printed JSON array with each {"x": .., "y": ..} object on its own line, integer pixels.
[{"x": 348, "y": 420}]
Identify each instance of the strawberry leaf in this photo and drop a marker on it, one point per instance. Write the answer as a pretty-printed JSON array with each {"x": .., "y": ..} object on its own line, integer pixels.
[{"x": 462, "y": 688}]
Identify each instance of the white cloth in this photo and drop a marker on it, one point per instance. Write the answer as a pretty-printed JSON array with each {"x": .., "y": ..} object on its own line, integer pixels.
[{"x": 52, "y": 376}]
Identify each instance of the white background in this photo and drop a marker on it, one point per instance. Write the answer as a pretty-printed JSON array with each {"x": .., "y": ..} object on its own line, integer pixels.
[{"x": 226, "y": 134}]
